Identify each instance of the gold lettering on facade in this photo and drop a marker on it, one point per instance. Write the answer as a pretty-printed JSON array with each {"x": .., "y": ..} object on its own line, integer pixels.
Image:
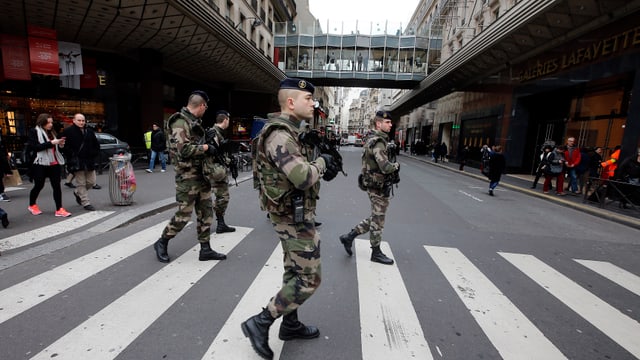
[
  {"x": 595, "y": 51},
  {"x": 102, "y": 80}
]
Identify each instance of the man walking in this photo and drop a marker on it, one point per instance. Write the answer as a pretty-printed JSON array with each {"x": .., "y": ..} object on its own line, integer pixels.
[
  {"x": 193, "y": 191},
  {"x": 376, "y": 169},
  {"x": 572, "y": 157},
  {"x": 215, "y": 169},
  {"x": 80, "y": 150},
  {"x": 288, "y": 182},
  {"x": 158, "y": 146}
]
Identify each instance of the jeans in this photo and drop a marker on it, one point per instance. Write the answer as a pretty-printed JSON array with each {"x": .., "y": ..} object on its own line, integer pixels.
[
  {"x": 573, "y": 179},
  {"x": 163, "y": 159}
]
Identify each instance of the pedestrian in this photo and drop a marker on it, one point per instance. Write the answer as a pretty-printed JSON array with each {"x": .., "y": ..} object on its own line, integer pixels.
[
  {"x": 582, "y": 170},
  {"x": 556, "y": 161},
  {"x": 215, "y": 169},
  {"x": 376, "y": 171},
  {"x": 462, "y": 157},
  {"x": 80, "y": 150},
  {"x": 288, "y": 182},
  {"x": 572, "y": 160},
  {"x": 187, "y": 150},
  {"x": 158, "y": 146},
  {"x": 609, "y": 167},
  {"x": 497, "y": 166},
  {"x": 628, "y": 174},
  {"x": 443, "y": 152},
  {"x": 485, "y": 155},
  {"x": 48, "y": 163},
  {"x": 543, "y": 165},
  {"x": 5, "y": 169}
]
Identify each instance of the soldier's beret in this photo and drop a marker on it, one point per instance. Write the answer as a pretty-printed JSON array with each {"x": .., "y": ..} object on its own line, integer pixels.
[
  {"x": 383, "y": 115},
  {"x": 202, "y": 94},
  {"x": 223, "y": 112},
  {"x": 297, "y": 84}
]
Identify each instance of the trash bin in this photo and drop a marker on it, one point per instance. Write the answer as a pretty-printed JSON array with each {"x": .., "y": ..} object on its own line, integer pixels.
[{"x": 122, "y": 179}]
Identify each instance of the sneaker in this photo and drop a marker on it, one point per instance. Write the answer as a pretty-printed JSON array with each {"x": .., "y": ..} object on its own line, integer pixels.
[
  {"x": 490, "y": 192},
  {"x": 546, "y": 192},
  {"x": 148, "y": 170},
  {"x": 89, "y": 207},
  {"x": 163, "y": 170},
  {"x": 62, "y": 213},
  {"x": 78, "y": 200},
  {"x": 69, "y": 185},
  {"x": 5, "y": 220},
  {"x": 96, "y": 187},
  {"x": 4, "y": 197},
  {"x": 561, "y": 194},
  {"x": 34, "y": 209}
]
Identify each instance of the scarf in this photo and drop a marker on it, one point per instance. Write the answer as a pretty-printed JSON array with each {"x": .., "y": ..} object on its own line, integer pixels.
[{"x": 50, "y": 155}]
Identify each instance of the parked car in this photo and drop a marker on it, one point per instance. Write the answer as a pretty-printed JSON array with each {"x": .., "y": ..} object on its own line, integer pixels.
[
  {"x": 109, "y": 146},
  {"x": 358, "y": 143}
]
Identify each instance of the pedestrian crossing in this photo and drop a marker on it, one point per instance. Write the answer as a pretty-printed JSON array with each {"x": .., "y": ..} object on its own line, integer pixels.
[{"x": 389, "y": 321}]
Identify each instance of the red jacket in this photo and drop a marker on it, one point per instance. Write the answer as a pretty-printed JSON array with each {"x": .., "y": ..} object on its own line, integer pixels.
[{"x": 574, "y": 159}]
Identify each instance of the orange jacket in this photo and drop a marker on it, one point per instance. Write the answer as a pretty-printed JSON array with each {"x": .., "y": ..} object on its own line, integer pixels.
[{"x": 609, "y": 167}]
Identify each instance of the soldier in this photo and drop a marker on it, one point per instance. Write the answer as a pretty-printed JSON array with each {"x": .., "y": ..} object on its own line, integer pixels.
[
  {"x": 376, "y": 179},
  {"x": 187, "y": 148},
  {"x": 288, "y": 182},
  {"x": 215, "y": 169}
]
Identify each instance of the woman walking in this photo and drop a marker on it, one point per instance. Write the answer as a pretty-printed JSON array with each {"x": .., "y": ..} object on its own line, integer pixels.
[
  {"x": 47, "y": 164},
  {"x": 497, "y": 165}
]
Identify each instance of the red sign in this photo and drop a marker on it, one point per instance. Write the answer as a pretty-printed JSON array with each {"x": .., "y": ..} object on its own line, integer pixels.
[
  {"x": 15, "y": 58},
  {"x": 43, "y": 54}
]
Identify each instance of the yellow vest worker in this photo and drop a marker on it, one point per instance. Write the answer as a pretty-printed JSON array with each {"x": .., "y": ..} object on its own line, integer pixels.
[{"x": 147, "y": 140}]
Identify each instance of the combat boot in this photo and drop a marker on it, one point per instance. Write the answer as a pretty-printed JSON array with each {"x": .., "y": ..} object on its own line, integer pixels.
[
  {"x": 378, "y": 256},
  {"x": 256, "y": 328},
  {"x": 222, "y": 227},
  {"x": 291, "y": 328},
  {"x": 207, "y": 253},
  {"x": 160, "y": 247},
  {"x": 347, "y": 241}
]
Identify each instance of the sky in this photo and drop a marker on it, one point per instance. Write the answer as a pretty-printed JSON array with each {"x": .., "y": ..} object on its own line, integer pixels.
[{"x": 366, "y": 12}]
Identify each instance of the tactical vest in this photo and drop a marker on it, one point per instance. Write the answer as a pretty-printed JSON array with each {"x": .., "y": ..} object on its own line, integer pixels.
[
  {"x": 372, "y": 177},
  {"x": 275, "y": 189},
  {"x": 196, "y": 136}
]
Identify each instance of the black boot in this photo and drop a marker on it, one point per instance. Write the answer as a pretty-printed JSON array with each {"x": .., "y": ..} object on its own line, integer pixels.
[
  {"x": 291, "y": 328},
  {"x": 347, "y": 241},
  {"x": 222, "y": 227},
  {"x": 256, "y": 328},
  {"x": 160, "y": 247},
  {"x": 207, "y": 253},
  {"x": 379, "y": 257}
]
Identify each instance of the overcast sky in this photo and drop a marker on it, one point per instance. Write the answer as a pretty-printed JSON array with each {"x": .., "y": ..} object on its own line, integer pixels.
[{"x": 364, "y": 11}]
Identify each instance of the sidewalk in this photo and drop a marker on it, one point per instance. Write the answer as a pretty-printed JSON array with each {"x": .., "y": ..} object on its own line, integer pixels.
[{"x": 522, "y": 183}]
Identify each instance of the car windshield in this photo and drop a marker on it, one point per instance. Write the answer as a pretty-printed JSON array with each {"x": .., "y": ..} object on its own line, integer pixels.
[{"x": 105, "y": 139}]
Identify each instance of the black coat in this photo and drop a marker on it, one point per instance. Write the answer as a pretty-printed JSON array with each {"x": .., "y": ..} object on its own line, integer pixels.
[
  {"x": 158, "y": 141},
  {"x": 497, "y": 165},
  {"x": 73, "y": 146}
]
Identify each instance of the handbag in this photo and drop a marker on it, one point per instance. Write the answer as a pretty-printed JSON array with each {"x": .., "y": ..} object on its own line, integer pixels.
[{"x": 14, "y": 180}]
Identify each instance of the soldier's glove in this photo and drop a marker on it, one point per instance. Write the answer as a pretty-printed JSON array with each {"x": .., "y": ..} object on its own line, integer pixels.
[
  {"x": 331, "y": 170},
  {"x": 211, "y": 150},
  {"x": 397, "y": 166},
  {"x": 209, "y": 135}
]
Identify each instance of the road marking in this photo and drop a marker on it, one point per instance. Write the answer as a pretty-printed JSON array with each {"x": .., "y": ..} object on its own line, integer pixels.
[
  {"x": 613, "y": 323},
  {"x": 471, "y": 196},
  {"x": 20, "y": 297},
  {"x": 61, "y": 227},
  {"x": 113, "y": 328},
  {"x": 230, "y": 343},
  {"x": 512, "y": 334},
  {"x": 389, "y": 326},
  {"x": 614, "y": 273}
]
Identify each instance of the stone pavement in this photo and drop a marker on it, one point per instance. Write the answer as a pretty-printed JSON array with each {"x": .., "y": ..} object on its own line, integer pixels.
[{"x": 522, "y": 183}]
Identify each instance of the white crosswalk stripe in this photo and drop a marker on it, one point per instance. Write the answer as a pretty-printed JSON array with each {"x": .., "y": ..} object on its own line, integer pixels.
[
  {"x": 112, "y": 329},
  {"x": 513, "y": 335},
  {"x": 230, "y": 343},
  {"x": 45, "y": 232},
  {"x": 389, "y": 325},
  {"x": 613, "y": 323}
]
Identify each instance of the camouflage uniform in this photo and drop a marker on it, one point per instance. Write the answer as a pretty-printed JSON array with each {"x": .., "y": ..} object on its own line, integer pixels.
[
  {"x": 216, "y": 172},
  {"x": 375, "y": 165},
  {"x": 192, "y": 189},
  {"x": 284, "y": 166}
]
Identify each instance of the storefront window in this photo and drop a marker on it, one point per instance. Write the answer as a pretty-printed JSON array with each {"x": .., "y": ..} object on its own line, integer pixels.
[{"x": 598, "y": 118}]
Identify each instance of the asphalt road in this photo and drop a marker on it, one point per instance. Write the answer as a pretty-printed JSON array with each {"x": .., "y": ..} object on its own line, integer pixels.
[{"x": 476, "y": 277}]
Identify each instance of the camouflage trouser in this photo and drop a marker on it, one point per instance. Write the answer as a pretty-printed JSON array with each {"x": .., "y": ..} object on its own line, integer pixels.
[
  {"x": 375, "y": 222},
  {"x": 302, "y": 270},
  {"x": 192, "y": 193},
  {"x": 221, "y": 192}
]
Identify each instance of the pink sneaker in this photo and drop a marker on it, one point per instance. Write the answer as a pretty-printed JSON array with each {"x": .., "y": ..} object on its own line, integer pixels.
[
  {"x": 62, "y": 213},
  {"x": 34, "y": 209}
]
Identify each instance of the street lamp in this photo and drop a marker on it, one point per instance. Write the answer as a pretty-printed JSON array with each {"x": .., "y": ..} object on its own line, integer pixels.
[{"x": 256, "y": 22}]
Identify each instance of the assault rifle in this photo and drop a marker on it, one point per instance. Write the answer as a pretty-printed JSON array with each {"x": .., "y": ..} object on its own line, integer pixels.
[
  {"x": 312, "y": 137},
  {"x": 394, "y": 177},
  {"x": 227, "y": 148}
]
